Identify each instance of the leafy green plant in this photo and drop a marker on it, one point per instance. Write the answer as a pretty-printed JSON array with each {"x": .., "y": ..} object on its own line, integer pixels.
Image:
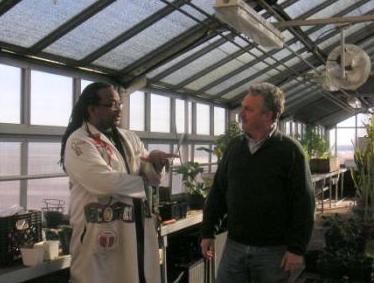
[
  {"x": 221, "y": 143},
  {"x": 363, "y": 175},
  {"x": 190, "y": 172},
  {"x": 315, "y": 146},
  {"x": 345, "y": 239}
]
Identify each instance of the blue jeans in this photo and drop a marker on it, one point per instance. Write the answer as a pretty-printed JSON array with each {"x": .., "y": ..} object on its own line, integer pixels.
[{"x": 244, "y": 264}]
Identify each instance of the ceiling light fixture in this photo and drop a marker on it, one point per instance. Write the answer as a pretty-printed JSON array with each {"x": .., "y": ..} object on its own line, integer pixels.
[{"x": 243, "y": 18}]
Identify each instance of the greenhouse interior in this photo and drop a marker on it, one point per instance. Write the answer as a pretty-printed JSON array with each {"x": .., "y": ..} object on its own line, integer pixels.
[{"x": 179, "y": 74}]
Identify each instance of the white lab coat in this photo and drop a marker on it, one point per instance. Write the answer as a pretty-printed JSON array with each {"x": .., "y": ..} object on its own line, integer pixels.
[{"x": 107, "y": 252}]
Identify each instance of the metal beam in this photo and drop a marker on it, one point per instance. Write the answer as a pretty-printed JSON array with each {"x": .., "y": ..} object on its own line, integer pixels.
[
  {"x": 6, "y": 5},
  {"x": 168, "y": 51},
  {"x": 282, "y": 16},
  {"x": 214, "y": 66},
  {"x": 126, "y": 35},
  {"x": 325, "y": 21},
  {"x": 18, "y": 54},
  {"x": 184, "y": 93},
  {"x": 254, "y": 76},
  {"x": 257, "y": 60},
  {"x": 192, "y": 57},
  {"x": 70, "y": 25}
]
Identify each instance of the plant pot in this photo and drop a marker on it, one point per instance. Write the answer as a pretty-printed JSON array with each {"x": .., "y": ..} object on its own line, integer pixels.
[
  {"x": 32, "y": 256},
  {"x": 65, "y": 237},
  {"x": 196, "y": 201},
  {"x": 53, "y": 218},
  {"x": 319, "y": 165},
  {"x": 51, "y": 249}
]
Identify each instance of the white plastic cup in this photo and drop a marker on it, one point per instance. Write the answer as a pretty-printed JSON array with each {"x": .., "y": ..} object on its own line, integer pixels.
[
  {"x": 32, "y": 256},
  {"x": 51, "y": 249}
]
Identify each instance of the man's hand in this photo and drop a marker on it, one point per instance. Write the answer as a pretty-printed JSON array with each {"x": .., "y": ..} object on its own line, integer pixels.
[
  {"x": 158, "y": 158},
  {"x": 291, "y": 262},
  {"x": 207, "y": 248}
]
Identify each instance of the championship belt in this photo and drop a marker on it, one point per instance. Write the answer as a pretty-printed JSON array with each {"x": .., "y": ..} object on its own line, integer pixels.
[{"x": 100, "y": 213}]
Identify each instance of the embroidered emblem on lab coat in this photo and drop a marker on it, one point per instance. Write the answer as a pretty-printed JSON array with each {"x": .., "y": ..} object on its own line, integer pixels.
[
  {"x": 75, "y": 146},
  {"x": 107, "y": 240},
  {"x": 105, "y": 150}
]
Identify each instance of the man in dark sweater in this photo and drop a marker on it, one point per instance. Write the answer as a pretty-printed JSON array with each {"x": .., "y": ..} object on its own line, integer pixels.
[{"x": 263, "y": 186}]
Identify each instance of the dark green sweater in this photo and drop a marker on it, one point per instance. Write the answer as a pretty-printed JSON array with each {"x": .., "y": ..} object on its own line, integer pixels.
[{"x": 268, "y": 196}]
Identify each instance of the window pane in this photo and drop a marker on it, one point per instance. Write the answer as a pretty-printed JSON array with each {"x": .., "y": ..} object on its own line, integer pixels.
[
  {"x": 137, "y": 111},
  {"x": 202, "y": 116},
  {"x": 201, "y": 156},
  {"x": 85, "y": 83},
  {"x": 166, "y": 148},
  {"x": 350, "y": 122},
  {"x": 215, "y": 166},
  {"x": 179, "y": 115},
  {"x": 10, "y": 161},
  {"x": 51, "y": 99},
  {"x": 190, "y": 117},
  {"x": 361, "y": 132},
  {"x": 288, "y": 128},
  {"x": 9, "y": 193},
  {"x": 363, "y": 119},
  {"x": 237, "y": 119},
  {"x": 345, "y": 140},
  {"x": 176, "y": 181},
  {"x": 160, "y": 113},
  {"x": 219, "y": 121},
  {"x": 43, "y": 158},
  {"x": 10, "y": 94},
  {"x": 56, "y": 188},
  {"x": 332, "y": 142}
]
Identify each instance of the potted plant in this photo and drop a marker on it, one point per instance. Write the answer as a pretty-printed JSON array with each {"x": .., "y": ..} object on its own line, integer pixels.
[
  {"x": 220, "y": 144},
  {"x": 363, "y": 174},
  {"x": 197, "y": 189},
  {"x": 317, "y": 151},
  {"x": 219, "y": 147},
  {"x": 344, "y": 252}
]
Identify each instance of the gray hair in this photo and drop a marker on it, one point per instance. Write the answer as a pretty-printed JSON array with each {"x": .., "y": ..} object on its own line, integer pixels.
[{"x": 273, "y": 97}]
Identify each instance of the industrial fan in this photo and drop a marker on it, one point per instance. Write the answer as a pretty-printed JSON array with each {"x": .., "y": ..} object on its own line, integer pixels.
[{"x": 347, "y": 67}]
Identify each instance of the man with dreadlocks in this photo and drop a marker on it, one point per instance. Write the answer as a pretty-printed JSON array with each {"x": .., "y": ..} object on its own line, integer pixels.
[{"x": 114, "y": 237}]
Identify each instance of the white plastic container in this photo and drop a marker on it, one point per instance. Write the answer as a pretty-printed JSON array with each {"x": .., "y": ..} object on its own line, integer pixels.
[
  {"x": 51, "y": 249},
  {"x": 32, "y": 256}
]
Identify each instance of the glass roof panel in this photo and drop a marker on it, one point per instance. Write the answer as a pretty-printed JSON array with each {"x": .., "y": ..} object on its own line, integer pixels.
[
  {"x": 287, "y": 35},
  {"x": 228, "y": 48},
  {"x": 103, "y": 27},
  {"x": 241, "y": 42},
  {"x": 147, "y": 41},
  {"x": 242, "y": 75},
  {"x": 244, "y": 87},
  {"x": 330, "y": 11},
  {"x": 301, "y": 7},
  {"x": 296, "y": 46},
  {"x": 220, "y": 72},
  {"x": 256, "y": 52},
  {"x": 31, "y": 20},
  {"x": 181, "y": 57},
  {"x": 201, "y": 63},
  {"x": 336, "y": 38},
  {"x": 324, "y": 30},
  {"x": 288, "y": 84},
  {"x": 204, "y": 5},
  {"x": 282, "y": 53},
  {"x": 195, "y": 66}
]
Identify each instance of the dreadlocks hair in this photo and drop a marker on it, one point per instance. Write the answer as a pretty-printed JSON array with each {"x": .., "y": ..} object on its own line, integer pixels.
[{"x": 79, "y": 114}]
